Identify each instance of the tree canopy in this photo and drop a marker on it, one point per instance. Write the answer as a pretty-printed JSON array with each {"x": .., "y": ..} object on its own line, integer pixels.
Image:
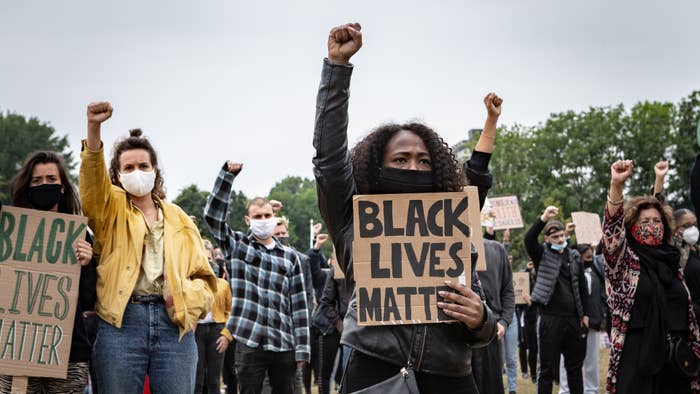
[
  {"x": 566, "y": 160},
  {"x": 19, "y": 137}
]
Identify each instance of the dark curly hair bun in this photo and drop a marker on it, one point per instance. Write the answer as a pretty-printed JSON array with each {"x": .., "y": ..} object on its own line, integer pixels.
[{"x": 135, "y": 133}]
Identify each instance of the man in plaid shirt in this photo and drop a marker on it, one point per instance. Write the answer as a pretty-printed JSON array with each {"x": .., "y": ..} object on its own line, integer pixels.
[{"x": 269, "y": 318}]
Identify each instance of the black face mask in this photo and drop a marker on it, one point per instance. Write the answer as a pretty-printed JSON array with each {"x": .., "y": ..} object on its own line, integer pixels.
[
  {"x": 587, "y": 263},
  {"x": 216, "y": 268},
  {"x": 46, "y": 196},
  {"x": 395, "y": 180},
  {"x": 283, "y": 240}
]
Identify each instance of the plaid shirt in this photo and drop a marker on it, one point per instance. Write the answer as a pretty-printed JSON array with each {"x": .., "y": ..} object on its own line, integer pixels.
[{"x": 267, "y": 286}]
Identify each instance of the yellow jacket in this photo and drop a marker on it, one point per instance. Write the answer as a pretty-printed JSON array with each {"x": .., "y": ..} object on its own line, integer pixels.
[
  {"x": 119, "y": 235},
  {"x": 221, "y": 309}
]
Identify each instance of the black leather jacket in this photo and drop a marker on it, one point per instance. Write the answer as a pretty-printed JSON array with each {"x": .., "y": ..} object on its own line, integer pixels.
[{"x": 440, "y": 349}]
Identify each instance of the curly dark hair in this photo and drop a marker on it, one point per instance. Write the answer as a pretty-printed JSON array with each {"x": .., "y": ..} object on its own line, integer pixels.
[
  {"x": 635, "y": 205},
  {"x": 136, "y": 141},
  {"x": 368, "y": 157}
]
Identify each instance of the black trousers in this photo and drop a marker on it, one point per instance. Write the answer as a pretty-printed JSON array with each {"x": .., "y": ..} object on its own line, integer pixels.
[
  {"x": 556, "y": 336},
  {"x": 210, "y": 361},
  {"x": 487, "y": 368},
  {"x": 252, "y": 364},
  {"x": 313, "y": 365},
  {"x": 328, "y": 347},
  {"x": 527, "y": 348},
  {"x": 228, "y": 372},
  {"x": 364, "y": 371}
]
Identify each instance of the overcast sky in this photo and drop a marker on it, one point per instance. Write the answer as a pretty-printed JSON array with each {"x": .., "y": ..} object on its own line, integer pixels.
[{"x": 214, "y": 80}]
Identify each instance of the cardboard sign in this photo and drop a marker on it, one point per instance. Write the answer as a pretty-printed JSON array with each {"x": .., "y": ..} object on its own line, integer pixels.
[
  {"x": 39, "y": 278},
  {"x": 521, "y": 286},
  {"x": 477, "y": 235},
  {"x": 588, "y": 227},
  {"x": 507, "y": 212},
  {"x": 405, "y": 247}
]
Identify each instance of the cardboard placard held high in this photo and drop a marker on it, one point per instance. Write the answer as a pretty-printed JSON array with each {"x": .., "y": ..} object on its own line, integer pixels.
[{"x": 405, "y": 247}]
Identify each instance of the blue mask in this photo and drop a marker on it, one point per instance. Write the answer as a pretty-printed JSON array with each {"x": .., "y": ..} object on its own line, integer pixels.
[{"x": 558, "y": 247}]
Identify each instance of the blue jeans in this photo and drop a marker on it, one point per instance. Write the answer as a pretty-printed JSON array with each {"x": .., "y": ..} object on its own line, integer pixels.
[
  {"x": 147, "y": 343},
  {"x": 510, "y": 343}
]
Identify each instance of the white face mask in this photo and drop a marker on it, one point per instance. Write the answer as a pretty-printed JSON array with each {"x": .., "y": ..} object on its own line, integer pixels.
[
  {"x": 138, "y": 183},
  {"x": 263, "y": 228},
  {"x": 690, "y": 235}
]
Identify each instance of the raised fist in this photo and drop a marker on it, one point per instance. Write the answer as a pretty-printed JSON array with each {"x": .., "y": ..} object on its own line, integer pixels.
[
  {"x": 234, "y": 168},
  {"x": 276, "y": 205},
  {"x": 549, "y": 213},
  {"x": 620, "y": 171},
  {"x": 493, "y": 104},
  {"x": 491, "y": 213},
  {"x": 317, "y": 228},
  {"x": 320, "y": 240},
  {"x": 661, "y": 168},
  {"x": 343, "y": 42},
  {"x": 570, "y": 227},
  {"x": 99, "y": 112}
]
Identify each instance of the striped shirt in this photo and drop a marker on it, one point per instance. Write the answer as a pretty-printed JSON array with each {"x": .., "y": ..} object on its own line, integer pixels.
[{"x": 267, "y": 285}]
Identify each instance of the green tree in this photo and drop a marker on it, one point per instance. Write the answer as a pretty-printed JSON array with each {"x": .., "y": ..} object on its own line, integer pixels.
[
  {"x": 192, "y": 201},
  {"x": 684, "y": 150},
  {"x": 509, "y": 164},
  {"x": 648, "y": 135},
  {"x": 298, "y": 196},
  {"x": 19, "y": 137},
  {"x": 237, "y": 211}
]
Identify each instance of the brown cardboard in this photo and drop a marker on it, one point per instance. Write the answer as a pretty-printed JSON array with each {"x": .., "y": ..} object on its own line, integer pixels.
[
  {"x": 477, "y": 235},
  {"x": 588, "y": 227},
  {"x": 40, "y": 276},
  {"x": 507, "y": 212},
  {"x": 19, "y": 385},
  {"x": 521, "y": 286},
  {"x": 383, "y": 228}
]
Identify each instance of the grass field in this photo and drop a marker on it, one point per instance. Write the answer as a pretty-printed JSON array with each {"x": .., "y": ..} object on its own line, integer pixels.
[{"x": 525, "y": 386}]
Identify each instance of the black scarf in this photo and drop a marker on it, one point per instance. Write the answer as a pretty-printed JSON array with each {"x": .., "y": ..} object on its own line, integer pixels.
[{"x": 659, "y": 263}]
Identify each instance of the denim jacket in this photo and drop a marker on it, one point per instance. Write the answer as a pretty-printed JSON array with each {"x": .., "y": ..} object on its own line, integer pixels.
[{"x": 440, "y": 349}]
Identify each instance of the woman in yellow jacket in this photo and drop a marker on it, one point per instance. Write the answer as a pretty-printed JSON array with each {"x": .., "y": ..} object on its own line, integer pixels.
[{"x": 153, "y": 279}]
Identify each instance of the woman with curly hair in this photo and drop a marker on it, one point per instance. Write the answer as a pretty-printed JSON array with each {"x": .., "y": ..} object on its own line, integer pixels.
[
  {"x": 655, "y": 336},
  {"x": 407, "y": 158}
]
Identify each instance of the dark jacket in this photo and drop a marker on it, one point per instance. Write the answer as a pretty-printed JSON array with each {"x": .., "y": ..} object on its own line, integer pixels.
[
  {"x": 333, "y": 304},
  {"x": 317, "y": 261},
  {"x": 551, "y": 289},
  {"x": 597, "y": 302},
  {"x": 497, "y": 282},
  {"x": 440, "y": 349}
]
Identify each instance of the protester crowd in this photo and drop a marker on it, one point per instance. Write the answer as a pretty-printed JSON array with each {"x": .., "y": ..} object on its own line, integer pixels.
[{"x": 162, "y": 310}]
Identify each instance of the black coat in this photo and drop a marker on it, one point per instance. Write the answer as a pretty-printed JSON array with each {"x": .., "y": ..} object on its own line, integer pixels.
[{"x": 439, "y": 349}]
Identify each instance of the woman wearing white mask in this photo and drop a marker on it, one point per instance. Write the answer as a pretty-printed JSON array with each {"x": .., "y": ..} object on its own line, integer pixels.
[
  {"x": 154, "y": 281},
  {"x": 686, "y": 238}
]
